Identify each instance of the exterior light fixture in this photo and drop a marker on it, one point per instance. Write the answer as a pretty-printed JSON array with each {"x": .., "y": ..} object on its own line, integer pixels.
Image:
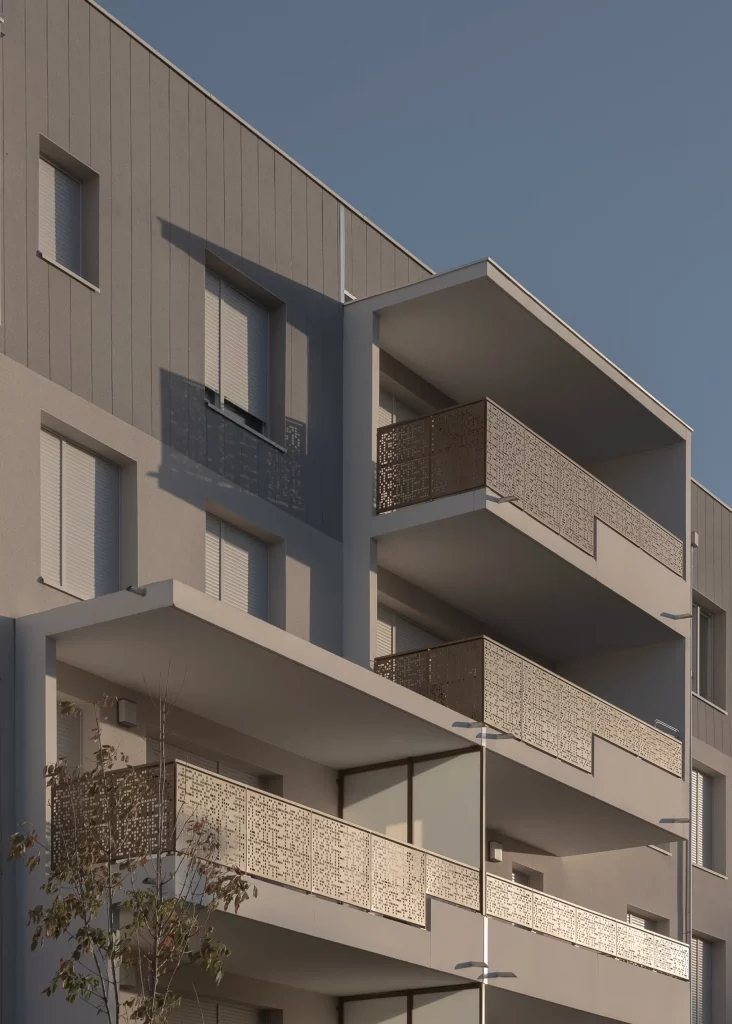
[
  {"x": 676, "y": 615},
  {"x": 496, "y": 974},
  {"x": 508, "y": 500},
  {"x": 495, "y": 852},
  {"x": 127, "y": 713},
  {"x": 464, "y": 964},
  {"x": 140, "y": 591}
]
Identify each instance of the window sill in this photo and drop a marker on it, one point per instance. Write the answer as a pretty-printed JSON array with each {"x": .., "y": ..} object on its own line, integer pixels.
[
  {"x": 710, "y": 703},
  {"x": 233, "y": 418},
  {"x": 60, "y": 266},
  {"x": 61, "y": 590},
  {"x": 710, "y": 871}
]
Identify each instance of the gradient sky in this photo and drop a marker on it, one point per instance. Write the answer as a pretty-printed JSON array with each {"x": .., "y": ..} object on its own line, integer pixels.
[{"x": 585, "y": 145}]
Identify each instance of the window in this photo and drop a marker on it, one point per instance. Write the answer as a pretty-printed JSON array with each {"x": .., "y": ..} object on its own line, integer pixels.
[
  {"x": 395, "y": 634},
  {"x": 650, "y": 924},
  {"x": 701, "y": 981},
  {"x": 701, "y": 819},
  {"x": 59, "y": 216},
  {"x": 79, "y": 519},
  {"x": 206, "y": 1011},
  {"x": 702, "y": 652},
  {"x": 391, "y": 410},
  {"x": 236, "y": 353},
  {"x": 68, "y": 738},
  {"x": 520, "y": 877},
  {"x": 210, "y": 764},
  {"x": 237, "y": 567}
]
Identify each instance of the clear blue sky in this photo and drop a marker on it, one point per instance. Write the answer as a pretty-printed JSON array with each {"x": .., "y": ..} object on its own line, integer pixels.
[{"x": 585, "y": 145}]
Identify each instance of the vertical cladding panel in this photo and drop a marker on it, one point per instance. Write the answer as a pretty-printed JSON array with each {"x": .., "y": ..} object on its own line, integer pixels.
[
  {"x": 100, "y": 155},
  {"x": 540, "y": 709},
  {"x": 416, "y": 272},
  {"x": 388, "y": 274},
  {"x": 14, "y": 237},
  {"x": 331, "y": 256},
  {"x": 60, "y": 287},
  {"x": 314, "y": 206},
  {"x": 358, "y": 246},
  {"x": 348, "y": 239},
  {"x": 341, "y": 861},
  {"x": 232, "y": 185},
  {"x": 196, "y": 274},
  {"x": 249, "y": 195},
  {"x": 214, "y": 174},
  {"x": 58, "y": 74},
  {"x": 179, "y": 263},
  {"x": 160, "y": 253},
  {"x": 283, "y": 215},
  {"x": 80, "y": 299},
  {"x": 401, "y": 269},
  {"x": 141, "y": 235},
  {"x": 373, "y": 261},
  {"x": 503, "y": 674},
  {"x": 397, "y": 880},
  {"x": 121, "y": 225},
  {"x": 36, "y": 73},
  {"x": 299, "y": 227},
  {"x": 266, "y": 205},
  {"x": 278, "y": 840}
]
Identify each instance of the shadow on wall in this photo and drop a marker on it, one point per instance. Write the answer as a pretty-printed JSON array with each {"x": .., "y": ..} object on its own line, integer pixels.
[{"x": 304, "y": 478}]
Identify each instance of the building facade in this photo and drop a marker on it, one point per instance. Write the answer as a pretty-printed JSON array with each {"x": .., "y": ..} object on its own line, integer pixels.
[{"x": 427, "y": 576}]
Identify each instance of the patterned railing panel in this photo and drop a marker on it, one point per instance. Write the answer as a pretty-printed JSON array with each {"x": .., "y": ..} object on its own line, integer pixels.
[
  {"x": 530, "y": 908},
  {"x": 268, "y": 837},
  {"x": 481, "y": 445},
  {"x": 528, "y": 701}
]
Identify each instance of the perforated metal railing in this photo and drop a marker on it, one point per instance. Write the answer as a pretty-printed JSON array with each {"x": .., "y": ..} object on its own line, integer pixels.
[
  {"x": 481, "y": 445},
  {"x": 275, "y": 839},
  {"x": 489, "y": 683},
  {"x": 551, "y": 916}
]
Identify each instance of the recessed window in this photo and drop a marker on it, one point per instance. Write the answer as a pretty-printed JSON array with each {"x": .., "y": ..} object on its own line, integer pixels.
[
  {"x": 701, "y": 819},
  {"x": 396, "y": 634},
  {"x": 68, "y": 738},
  {"x": 392, "y": 410},
  {"x": 237, "y": 567},
  {"x": 206, "y": 1011},
  {"x": 649, "y": 924},
  {"x": 68, "y": 213},
  {"x": 701, "y": 981},
  {"x": 59, "y": 216},
  {"x": 79, "y": 519},
  {"x": 237, "y": 353},
  {"x": 520, "y": 877},
  {"x": 702, "y": 652}
]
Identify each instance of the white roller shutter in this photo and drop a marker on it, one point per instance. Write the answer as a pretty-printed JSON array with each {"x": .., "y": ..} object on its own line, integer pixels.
[
  {"x": 206, "y": 1011},
  {"x": 213, "y": 557},
  {"x": 701, "y": 818},
  {"x": 396, "y": 635},
  {"x": 244, "y": 352},
  {"x": 212, "y": 348},
  {"x": 701, "y": 981},
  {"x": 51, "y": 508},
  {"x": 392, "y": 410},
  {"x": 244, "y": 571},
  {"x": 68, "y": 738},
  {"x": 642, "y": 922},
  {"x": 79, "y": 519},
  {"x": 89, "y": 523},
  {"x": 59, "y": 216}
]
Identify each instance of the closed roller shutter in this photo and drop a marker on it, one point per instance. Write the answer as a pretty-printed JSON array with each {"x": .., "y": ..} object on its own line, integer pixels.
[
  {"x": 212, "y": 348},
  {"x": 237, "y": 567},
  {"x": 68, "y": 738},
  {"x": 213, "y": 557},
  {"x": 701, "y": 819},
  {"x": 79, "y": 519},
  {"x": 396, "y": 635},
  {"x": 51, "y": 508},
  {"x": 59, "y": 216},
  {"x": 701, "y": 981},
  {"x": 206, "y": 1011},
  {"x": 392, "y": 410},
  {"x": 642, "y": 922},
  {"x": 244, "y": 352}
]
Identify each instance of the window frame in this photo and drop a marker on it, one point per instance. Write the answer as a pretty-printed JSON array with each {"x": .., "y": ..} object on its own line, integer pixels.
[{"x": 88, "y": 180}]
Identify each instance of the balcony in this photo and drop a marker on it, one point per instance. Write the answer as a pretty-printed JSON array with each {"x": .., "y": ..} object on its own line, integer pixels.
[
  {"x": 548, "y": 915},
  {"x": 480, "y": 445},
  {"x": 487, "y": 682},
  {"x": 279, "y": 841}
]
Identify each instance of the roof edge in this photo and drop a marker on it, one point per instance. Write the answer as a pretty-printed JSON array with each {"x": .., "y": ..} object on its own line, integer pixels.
[
  {"x": 711, "y": 494},
  {"x": 255, "y": 131}
]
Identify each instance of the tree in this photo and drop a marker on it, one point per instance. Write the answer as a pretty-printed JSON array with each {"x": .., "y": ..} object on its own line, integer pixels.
[{"x": 131, "y": 883}]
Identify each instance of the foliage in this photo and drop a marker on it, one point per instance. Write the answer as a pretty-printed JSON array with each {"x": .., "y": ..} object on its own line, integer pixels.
[{"x": 131, "y": 883}]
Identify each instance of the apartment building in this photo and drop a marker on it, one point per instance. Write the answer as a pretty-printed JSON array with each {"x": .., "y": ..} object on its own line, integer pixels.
[{"x": 417, "y": 562}]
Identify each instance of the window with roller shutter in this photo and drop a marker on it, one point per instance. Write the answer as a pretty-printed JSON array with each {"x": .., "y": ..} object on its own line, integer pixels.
[
  {"x": 701, "y": 981},
  {"x": 206, "y": 1011},
  {"x": 702, "y": 824},
  {"x": 68, "y": 738},
  {"x": 79, "y": 519},
  {"x": 237, "y": 567},
  {"x": 59, "y": 216},
  {"x": 211, "y": 764},
  {"x": 396, "y": 634},
  {"x": 237, "y": 356}
]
